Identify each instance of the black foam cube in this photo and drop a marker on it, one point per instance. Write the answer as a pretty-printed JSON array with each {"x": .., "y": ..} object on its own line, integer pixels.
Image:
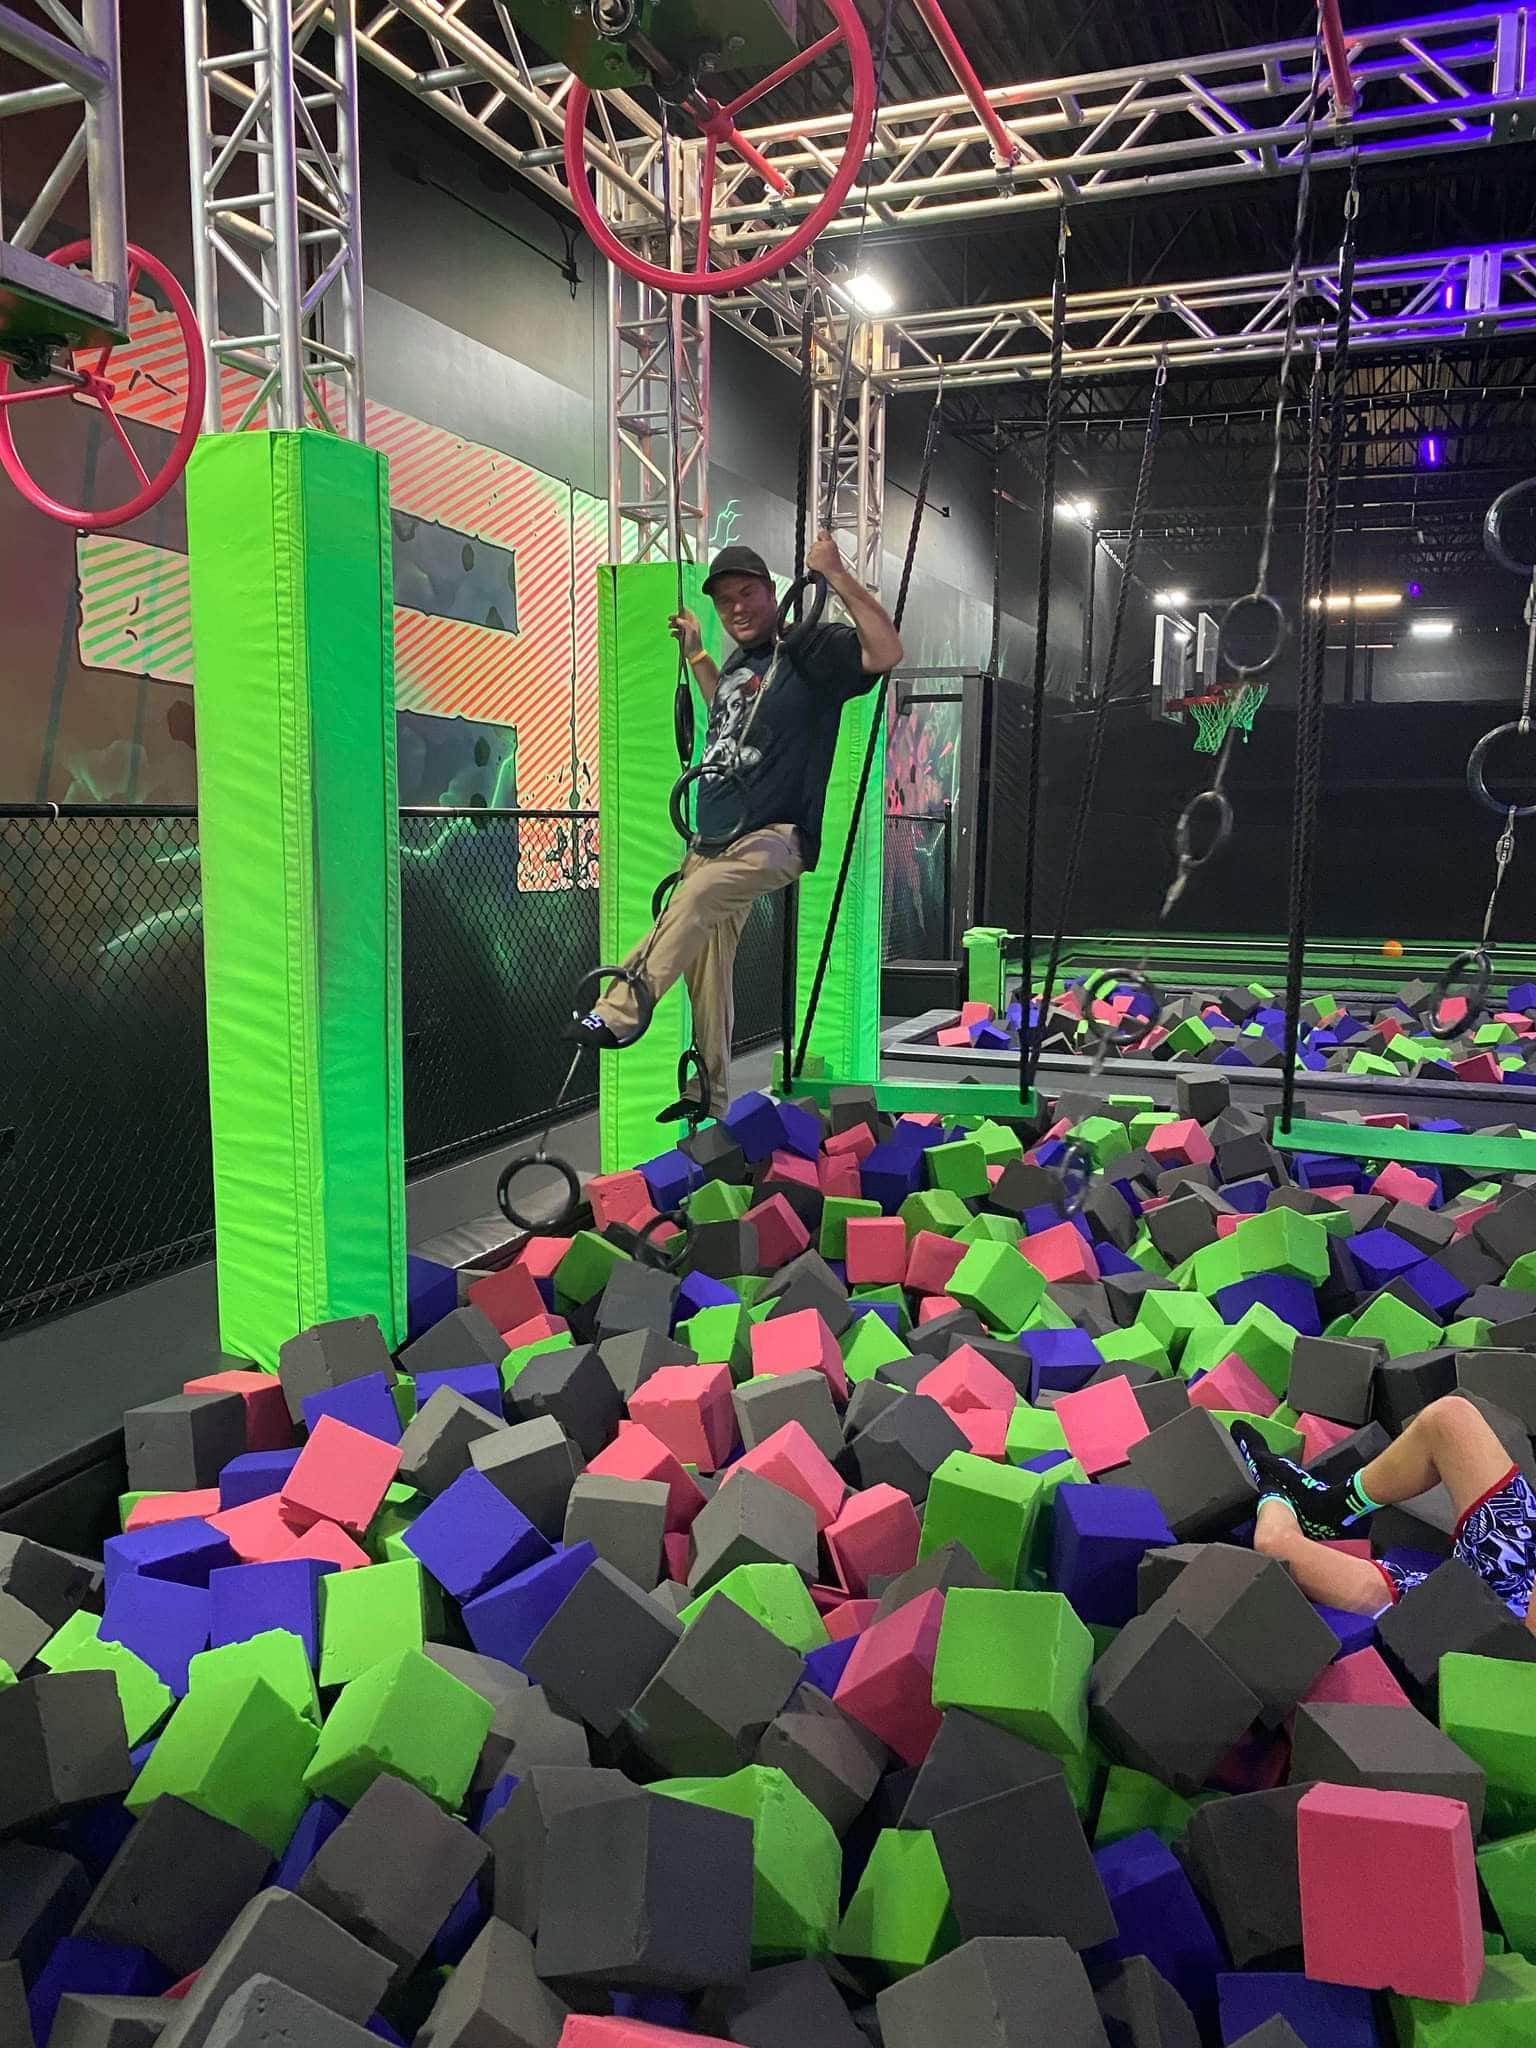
[
  {"x": 529, "y": 1728},
  {"x": 972, "y": 1760},
  {"x": 624, "y": 1520},
  {"x": 467, "y": 1337},
  {"x": 602, "y": 1646},
  {"x": 792, "y": 2005},
  {"x": 1126, "y": 1291},
  {"x": 64, "y": 1745},
  {"x": 438, "y": 1442},
  {"x": 1141, "y": 2009},
  {"x": 1454, "y": 1609},
  {"x": 1161, "y": 1400},
  {"x": 1165, "y": 1703},
  {"x": 1387, "y": 1748},
  {"x": 718, "y": 1157},
  {"x": 940, "y": 1571},
  {"x": 833, "y": 1759},
  {"x": 175, "y": 1885},
  {"x": 535, "y": 1464},
  {"x": 629, "y": 1360},
  {"x": 938, "y": 1336},
  {"x": 1241, "y": 1855},
  {"x": 495, "y": 1997},
  {"x": 1405, "y": 1385},
  {"x": 488, "y": 1676},
  {"x": 648, "y": 1891},
  {"x": 1503, "y": 1376},
  {"x": 516, "y": 1835},
  {"x": 41, "y": 1894},
  {"x": 266, "y": 2013},
  {"x": 183, "y": 1443},
  {"x": 1019, "y": 1864},
  {"x": 721, "y": 1250},
  {"x": 1332, "y": 1377},
  {"x": 1197, "y": 1475},
  {"x": 50, "y": 1582},
  {"x": 330, "y": 1354},
  {"x": 904, "y": 1446},
  {"x": 1508, "y": 1230},
  {"x": 751, "y": 1521},
  {"x": 573, "y": 1385},
  {"x": 1250, "y": 1611},
  {"x": 1345, "y": 1458},
  {"x": 706, "y": 1710},
  {"x": 995, "y": 1992},
  {"x": 807, "y": 1290}
]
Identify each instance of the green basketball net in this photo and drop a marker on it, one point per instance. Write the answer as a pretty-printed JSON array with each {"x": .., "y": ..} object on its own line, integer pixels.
[{"x": 1235, "y": 710}]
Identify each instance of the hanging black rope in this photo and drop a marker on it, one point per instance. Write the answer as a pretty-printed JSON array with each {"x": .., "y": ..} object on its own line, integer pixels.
[
  {"x": 1310, "y": 694},
  {"x": 1099, "y": 731},
  {"x": 876, "y": 734},
  {"x": 1053, "y": 399},
  {"x": 995, "y": 654}
]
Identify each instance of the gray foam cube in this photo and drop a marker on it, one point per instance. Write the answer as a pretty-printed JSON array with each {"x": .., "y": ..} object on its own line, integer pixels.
[
  {"x": 904, "y": 1446},
  {"x": 495, "y": 1998},
  {"x": 869, "y": 1398},
  {"x": 751, "y": 1521},
  {"x": 88, "y": 2020},
  {"x": 466, "y": 1337},
  {"x": 175, "y": 1885},
  {"x": 182, "y": 1443},
  {"x": 488, "y": 1676},
  {"x": 636, "y": 1297},
  {"x": 15, "y": 2020},
  {"x": 574, "y": 1386},
  {"x": 64, "y": 1745},
  {"x": 1454, "y": 1609},
  {"x": 629, "y": 1360},
  {"x": 278, "y": 1935},
  {"x": 624, "y": 1520},
  {"x": 970, "y": 1760},
  {"x": 791, "y": 2005},
  {"x": 1255, "y": 1617},
  {"x": 1333, "y": 1377},
  {"x": 530, "y": 1728},
  {"x": 602, "y": 1646},
  {"x": 41, "y": 1894},
  {"x": 1387, "y": 1748},
  {"x": 328, "y": 1355},
  {"x": 517, "y": 1833},
  {"x": 1505, "y": 1377},
  {"x": 50, "y": 1582},
  {"x": 1019, "y": 1863},
  {"x": 535, "y": 1465},
  {"x": 941, "y": 1571},
  {"x": 996, "y": 1992},
  {"x": 831, "y": 1758},
  {"x": 1142, "y": 2009},
  {"x": 1196, "y": 1474},
  {"x": 649, "y": 1891},
  {"x": 438, "y": 1441},
  {"x": 394, "y": 1870},
  {"x": 264, "y": 2013},
  {"x": 706, "y": 1710},
  {"x": 22, "y": 1633},
  {"x": 1241, "y": 1855},
  {"x": 1165, "y": 1703},
  {"x": 766, "y": 1404}
]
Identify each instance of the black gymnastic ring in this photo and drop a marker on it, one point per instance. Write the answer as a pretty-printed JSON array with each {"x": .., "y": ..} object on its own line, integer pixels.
[
  {"x": 1262, "y": 601},
  {"x": 661, "y": 894},
  {"x": 683, "y": 724},
  {"x": 1113, "y": 1035},
  {"x": 566, "y": 1214},
  {"x": 677, "y": 805},
  {"x": 651, "y": 1255},
  {"x": 1477, "y": 995},
  {"x": 796, "y": 591},
  {"x": 1493, "y": 530},
  {"x": 645, "y": 1002},
  {"x": 691, "y": 1067},
  {"x": 1477, "y": 777},
  {"x": 1188, "y": 861},
  {"x": 1076, "y": 1179}
]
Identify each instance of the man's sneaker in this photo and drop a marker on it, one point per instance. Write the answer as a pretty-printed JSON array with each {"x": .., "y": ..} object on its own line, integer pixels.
[
  {"x": 1323, "y": 1510},
  {"x": 684, "y": 1111},
  {"x": 591, "y": 1030}
]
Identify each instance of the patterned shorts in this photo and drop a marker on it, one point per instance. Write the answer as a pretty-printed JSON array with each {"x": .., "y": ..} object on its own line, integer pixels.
[{"x": 1497, "y": 1538}]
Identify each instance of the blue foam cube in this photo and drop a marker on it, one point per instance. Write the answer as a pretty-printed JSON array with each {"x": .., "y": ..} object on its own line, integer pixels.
[
  {"x": 366, "y": 1404},
  {"x": 890, "y": 1173},
  {"x": 165, "y": 1624},
  {"x": 802, "y": 1130},
  {"x": 1099, "y": 1536},
  {"x": 431, "y": 1292},
  {"x": 188, "y": 1552},
  {"x": 699, "y": 1291},
  {"x": 1292, "y": 1300},
  {"x": 451, "y": 1942},
  {"x": 472, "y": 1537},
  {"x": 1320, "y": 2015},
  {"x": 249, "y": 1599},
  {"x": 1354, "y": 1631},
  {"x": 671, "y": 1177},
  {"x": 478, "y": 1383},
  {"x": 754, "y": 1122},
  {"x": 1441, "y": 1292},
  {"x": 317, "y": 1823},
  {"x": 824, "y": 1667},
  {"x": 1380, "y": 1255},
  {"x": 1159, "y": 1917},
  {"x": 503, "y": 1622},
  {"x": 81, "y": 1963},
  {"x": 495, "y": 1800},
  {"x": 253, "y": 1475}
]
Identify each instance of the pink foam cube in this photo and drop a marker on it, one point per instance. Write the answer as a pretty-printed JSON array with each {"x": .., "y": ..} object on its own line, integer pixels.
[
  {"x": 540, "y": 1256},
  {"x": 876, "y": 1532},
  {"x": 1390, "y": 1028},
  {"x": 995, "y": 1174},
  {"x": 1414, "y": 1926},
  {"x": 1319, "y": 1435},
  {"x": 1361, "y": 1679},
  {"x": 920, "y": 1119},
  {"x": 1180, "y": 1144},
  {"x": 887, "y": 1684},
  {"x": 985, "y": 1431},
  {"x": 967, "y": 1380},
  {"x": 781, "y": 1236},
  {"x": 1402, "y": 1185},
  {"x": 851, "y": 1618},
  {"x": 877, "y": 1251},
  {"x": 535, "y": 1330},
  {"x": 838, "y": 1174},
  {"x": 1151, "y": 1041},
  {"x": 639, "y": 1453},
  {"x": 1482, "y": 1070},
  {"x": 689, "y": 1408},
  {"x": 329, "y": 1545},
  {"x": 1452, "y": 1010},
  {"x": 1061, "y": 1253},
  {"x": 1225, "y": 1225},
  {"x": 509, "y": 1297},
  {"x": 1349, "y": 1546},
  {"x": 932, "y": 1306},
  {"x": 791, "y": 1460},
  {"x": 619, "y": 1198},
  {"x": 791, "y": 1166},
  {"x": 1257, "y": 1762},
  {"x": 256, "y": 1531},
  {"x": 955, "y": 1034},
  {"x": 267, "y": 1427},
  {"x": 1101, "y": 1423},
  {"x": 159, "y": 1508},
  {"x": 931, "y": 1262},
  {"x": 1232, "y": 1384},
  {"x": 857, "y": 1142},
  {"x": 1468, "y": 1217},
  {"x": 583, "y": 2031},
  {"x": 676, "y": 1554},
  {"x": 799, "y": 1343},
  {"x": 827, "y": 1599},
  {"x": 341, "y": 1476},
  {"x": 976, "y": 1013}
]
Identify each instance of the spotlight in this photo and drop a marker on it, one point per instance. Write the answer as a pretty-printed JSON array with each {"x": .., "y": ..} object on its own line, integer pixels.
[
  {"x": 1431, "y": 449},
  {"x": 1377, "y": 600},
  {"x": 1415, "y": 590},
  {"x": 1080, "y": 509},
  {"x": 1432, "y": 629},
  {"x": 1170, "y": 600},
  {"x": 871, "y": 294}
]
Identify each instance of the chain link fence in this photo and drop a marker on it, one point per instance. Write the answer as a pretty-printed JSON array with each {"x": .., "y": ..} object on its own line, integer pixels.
[
  {"x": 917, "y": 916},
  {"x": 105, "y": 1157}
]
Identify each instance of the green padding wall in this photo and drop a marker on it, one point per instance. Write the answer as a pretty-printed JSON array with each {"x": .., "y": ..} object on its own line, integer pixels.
[
  {"x": 292, "y": 627},
  {"x": 847, "y": 1031},
  {"x": 637, "y": 677}
]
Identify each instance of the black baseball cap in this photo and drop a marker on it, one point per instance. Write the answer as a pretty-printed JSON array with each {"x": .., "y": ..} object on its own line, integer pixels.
[{"x": 737, "y": 561}]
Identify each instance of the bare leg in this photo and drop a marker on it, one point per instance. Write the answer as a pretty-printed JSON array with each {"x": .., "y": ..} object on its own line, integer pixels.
[
  {"x": 1330, "y": 1576},
  {"x": 1449, "y": 1442}
]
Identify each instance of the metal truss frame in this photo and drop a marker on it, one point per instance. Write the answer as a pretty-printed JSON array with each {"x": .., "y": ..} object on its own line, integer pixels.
[
  {"x": 77, "y": 68},
  {"x": 276, "y": 238}
]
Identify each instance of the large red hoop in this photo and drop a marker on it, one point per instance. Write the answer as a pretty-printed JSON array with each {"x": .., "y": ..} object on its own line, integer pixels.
[
  {"x": 99, "y": 390},
  {"x": 850, "y": 30}
]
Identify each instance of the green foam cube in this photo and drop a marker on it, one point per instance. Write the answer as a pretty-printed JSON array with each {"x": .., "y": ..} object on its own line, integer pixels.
[
  {"x": 407, "y": 1717},
  {"x": 145, "y": 1698},
  {"x": 1045, "y": 1315},
  {"x": 959, "y": 1167},
  {"x": 999, "y": 1145},
  {"x": 1211, "y": 1268},
  {"x": 1146, "y": 1254},
  {"x": 1401, "y": 1328},
  {"x": 774, "y": 1595},
  {"x": 7, "y": 1675},
  {"x": 1135, "y": 1346},
  {"x": 1133, "y": 1801},
  {"x": 587, "y": 1266},
  {"x": 1468, "y": 1333},
  {"x": 899, "y": 1917},
  {"x": 1503, "y": 2014},
  {"x": 797, "y": 1860},
  {"x": 367, "y": 1615},
  {"x": 127, "y": 1502},
  {"x": 1264, "y": 1343},
  {"x": 1191, "y": 1036},
  {"x": 513, "y": 1363},
  {"x": 989, "y": 1508},
  {"x": 1371, "y": 1063},
  {"x": 866, "y": 1345},
  {"x": 1019, "y": 1659},
  {"x": 837, "y": 1211},
  {"x": 720, "y": 1336},
  {"x": 1104, "y": 1138},
  {"x": 988, "y": 1229},
  {"x": 276, "y": 1657},
  {"x": 1145, "y": 1122},
  {"x": 718, "y": 1201},
  {"x": 80, "y": 1632},
  {"x": 1031, "y": 1433},
  {"x": 1172, "y": 1318},
  {"x": 1488, "y": 1708},
  {"x": 1283, "y": 1241},
  {"x": 237, "y": 1752},
  {"x": 999, "y": 1283},
  {"x": 938, "y": 1209},
  {"x": 1508, "y": 1873}
]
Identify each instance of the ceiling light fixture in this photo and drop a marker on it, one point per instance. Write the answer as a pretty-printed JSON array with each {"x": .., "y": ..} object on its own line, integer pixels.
[
  {"x": 1170, "y": 600},
  {"x": 1432, "y": 629},
  {"x": 869, "y": 293},
  {"x": 1080, "y": 509}
]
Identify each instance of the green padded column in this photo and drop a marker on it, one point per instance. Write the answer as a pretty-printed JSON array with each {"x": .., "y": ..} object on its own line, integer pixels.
[
  {"x": 299, "y": 825},
  {"x": 983, "y": 945},
  {"x": 846, "y": 1035},
  {"x": 637, "y": 755}
]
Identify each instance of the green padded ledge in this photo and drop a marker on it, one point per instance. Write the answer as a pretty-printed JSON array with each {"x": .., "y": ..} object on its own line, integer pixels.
[
  {"x": 1473, "y": 1149},
  {"x": 293, "y": 628},
  {"x": 968, "y": 1098}
]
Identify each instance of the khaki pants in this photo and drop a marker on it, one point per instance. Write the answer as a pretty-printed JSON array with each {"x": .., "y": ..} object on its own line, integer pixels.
[{"x": 696, "y": 937}]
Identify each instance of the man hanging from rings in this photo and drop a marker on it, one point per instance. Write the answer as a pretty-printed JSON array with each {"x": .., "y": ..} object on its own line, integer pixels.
[{"x": 775, "y": 706}]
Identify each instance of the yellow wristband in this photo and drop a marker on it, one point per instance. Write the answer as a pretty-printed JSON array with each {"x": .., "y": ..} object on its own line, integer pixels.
[{"x": 695, "y": 659}]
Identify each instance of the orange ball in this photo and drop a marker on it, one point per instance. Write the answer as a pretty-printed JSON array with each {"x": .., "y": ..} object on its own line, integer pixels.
[{"x": 1393, "y": 949}]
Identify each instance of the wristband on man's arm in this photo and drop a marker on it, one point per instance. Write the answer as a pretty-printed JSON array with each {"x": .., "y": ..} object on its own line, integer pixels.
[{"x": 702, "y": 655}]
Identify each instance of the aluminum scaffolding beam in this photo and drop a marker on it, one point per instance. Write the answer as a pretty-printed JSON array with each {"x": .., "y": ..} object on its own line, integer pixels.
[{"x": 276, "y": 238}]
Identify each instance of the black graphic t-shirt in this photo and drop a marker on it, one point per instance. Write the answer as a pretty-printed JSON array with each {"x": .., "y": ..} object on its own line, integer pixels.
[{"x": 774, "y": 721}]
